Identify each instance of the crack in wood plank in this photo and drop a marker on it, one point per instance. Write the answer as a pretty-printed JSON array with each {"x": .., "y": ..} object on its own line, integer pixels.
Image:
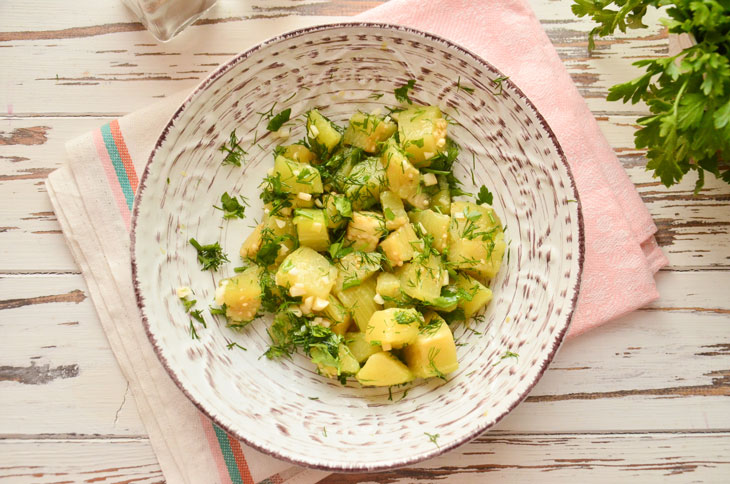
[
  {"x": 35, "y": 135},
  {"x": 75, "y": 296},
  {"x": 37, "y": 375},
  {"x": 720, "y": 387}
]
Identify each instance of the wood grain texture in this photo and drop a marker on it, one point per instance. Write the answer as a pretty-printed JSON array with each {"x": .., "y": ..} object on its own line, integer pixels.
[{"x": 521, "y": 458}]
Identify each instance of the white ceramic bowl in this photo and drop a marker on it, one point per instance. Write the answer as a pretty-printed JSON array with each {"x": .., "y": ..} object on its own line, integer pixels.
[{"x": 283, "y": 407}]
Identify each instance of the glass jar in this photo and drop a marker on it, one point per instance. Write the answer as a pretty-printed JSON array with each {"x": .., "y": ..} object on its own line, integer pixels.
[{"x": 167, "y": 18}]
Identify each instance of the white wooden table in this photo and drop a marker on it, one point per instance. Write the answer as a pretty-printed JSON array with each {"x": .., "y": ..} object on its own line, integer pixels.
[{"x": 646, "y": 398}]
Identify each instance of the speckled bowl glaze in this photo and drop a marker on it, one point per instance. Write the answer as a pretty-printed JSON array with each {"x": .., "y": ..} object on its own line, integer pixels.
[{"x": 283, "y": 407}]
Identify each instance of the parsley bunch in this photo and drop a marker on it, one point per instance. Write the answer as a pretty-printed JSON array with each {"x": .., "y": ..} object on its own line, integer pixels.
[{"x": 688, "y": 94}]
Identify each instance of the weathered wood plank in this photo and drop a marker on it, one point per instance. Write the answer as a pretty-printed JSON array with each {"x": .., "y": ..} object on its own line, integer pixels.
[
  {"x": 526, "y": 458},
  {"x": 125, "y": 69},
  {"x": 56, "y": 362},
  {"x": 118, "y": 461},
  {"x": 693, "y": 230},
  {"x": 665, "y": 368}
]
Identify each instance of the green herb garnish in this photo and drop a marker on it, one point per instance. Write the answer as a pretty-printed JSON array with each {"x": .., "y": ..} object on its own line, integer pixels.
[
  {"x": 484, "y": 196},
  {"x": 277, "y": 121},
  {"x": 210, "y": 256},
  {"x": 401, "y": 93},
  {"x": 231, "y": 207},
  {"x": 433, "y": 438},
  {"x": 234, "y": 152}
]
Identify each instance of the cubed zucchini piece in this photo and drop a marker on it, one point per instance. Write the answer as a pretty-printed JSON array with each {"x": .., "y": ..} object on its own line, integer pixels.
[
  {"x": 336, "y": 312},
  {"x": 342, "y": 163},
  {"x": 356, "y": 267},
  {"x": 338, "y": 210},
  {"x": 423, "y": 278},
  {"x": 420, "y": 201},
  {"x": 364, "y": 183},
  {"x": 383, "y": 370},
  {"x": 366, "y": 131},
  {"x": 360, "y": 302},
  {"x": 299, "y": 152},
  {"x": 241, "y": 294},
  {"x": 332, "y": 367},
  {"x": 360, "y": 347},
  {"x": 297, "y": 177},
  {"x": 324, "y": 136},
  {"x": 435, "y": 224},
  {"x": 388, "y": 285},
  {"x": 393, "y": 328},
  {"x": 252, "y": 243},
  {"x": 393, "y": 210},
  {"x": 422, "y": 131},
  {"x": 403, "y": 178},
  {"x": 311, "y": 225},
  {"x": 306, "y": 273},
  {"x": 279, "y": 231},
  {"x": 441, "y": 200},
  {"x": 476, "y": 239},
  {"x": 433, "y": 351},
  {"x": 365, "y": 230},
  {"x": 400, "y": 245},
  {"x": 481, "y": 295}
]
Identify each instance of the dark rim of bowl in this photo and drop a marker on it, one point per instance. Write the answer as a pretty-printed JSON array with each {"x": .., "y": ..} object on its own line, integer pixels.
[{"x": 208, "y": 81}]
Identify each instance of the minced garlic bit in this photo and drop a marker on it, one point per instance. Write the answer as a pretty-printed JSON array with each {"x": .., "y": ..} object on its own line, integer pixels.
[
  {"x": 379, "y": 299},
  {"x": 280, "y": 223},
  {"x": 304, "y": 196},
  {"x": 429, "y": 179},
  {"x": 319, "y": 304},
  {"x": 297, "y": 290}
]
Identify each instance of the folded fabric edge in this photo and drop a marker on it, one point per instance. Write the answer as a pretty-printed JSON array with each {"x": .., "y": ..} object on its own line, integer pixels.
[{"x": 58, "y": 183}]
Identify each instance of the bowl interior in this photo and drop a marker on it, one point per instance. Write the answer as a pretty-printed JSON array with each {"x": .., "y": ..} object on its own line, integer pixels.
[{"x": 283, "y": 407}]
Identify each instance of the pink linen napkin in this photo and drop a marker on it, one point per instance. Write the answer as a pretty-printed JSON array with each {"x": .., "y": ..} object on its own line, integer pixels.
[{"x": 93, "y": 197}]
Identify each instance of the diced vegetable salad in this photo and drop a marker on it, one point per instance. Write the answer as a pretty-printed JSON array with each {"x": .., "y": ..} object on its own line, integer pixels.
[{"x": 369, "y": 251}]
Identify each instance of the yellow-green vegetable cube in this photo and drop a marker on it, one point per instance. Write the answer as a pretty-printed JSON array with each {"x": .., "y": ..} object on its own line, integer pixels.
[
  {"x": 403, "y": 178},
  {"x": 340, "y": 317},
  {"x": 356, "y": 267},
  {"x": 321, "y": 132},
  {"x": 393, "y": 328},
  {"x": 481, "y": 295},
  {"x": 299, "y": 152},
  {"x": 435, "y": 224},
  {"x": 360, "y": 302},
  {"x": 383, "y": 370},
  {"x": 338, "y": 210},
  {"x": 306, "y": 273},
  {"x": 297, "y": 177},
  {"x": 388, "y": 285},
  {"x": 364, "y": 183},
  {"x": 393, "y": 210},
  {"x": 360, "y": 347},
  {"x": 348, "y": 365},
  {"x": 241, "y": 294},
  {"x": 422, "y": 131},
  {"x": 252, "y": 243},
  {"x": 433, "y": 351},
  {"x": 476, "y": 239},
  {"x": 365, "y": 229},
  {"x": 311, "y": 227},
  {"x": 366, "y": 131},
  {"x": 441, "y": 200},
  {"x": 400, "y": 245},
  {"x": 423, "y": 278}
]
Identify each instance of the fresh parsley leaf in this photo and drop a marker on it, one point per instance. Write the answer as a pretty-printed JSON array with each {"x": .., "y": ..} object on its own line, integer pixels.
[
  {"x": 231, "y": 207},
  {"x": 234, "y": 152},
  {"x": 484, "y": 196},
  {"x": 210, "y": 256},
  {"x": 401, "y": 93},
  {"x": 389, "y": 215},
  {"x": 343, "y": 206},
  {"x": 277, "y": 121}
]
